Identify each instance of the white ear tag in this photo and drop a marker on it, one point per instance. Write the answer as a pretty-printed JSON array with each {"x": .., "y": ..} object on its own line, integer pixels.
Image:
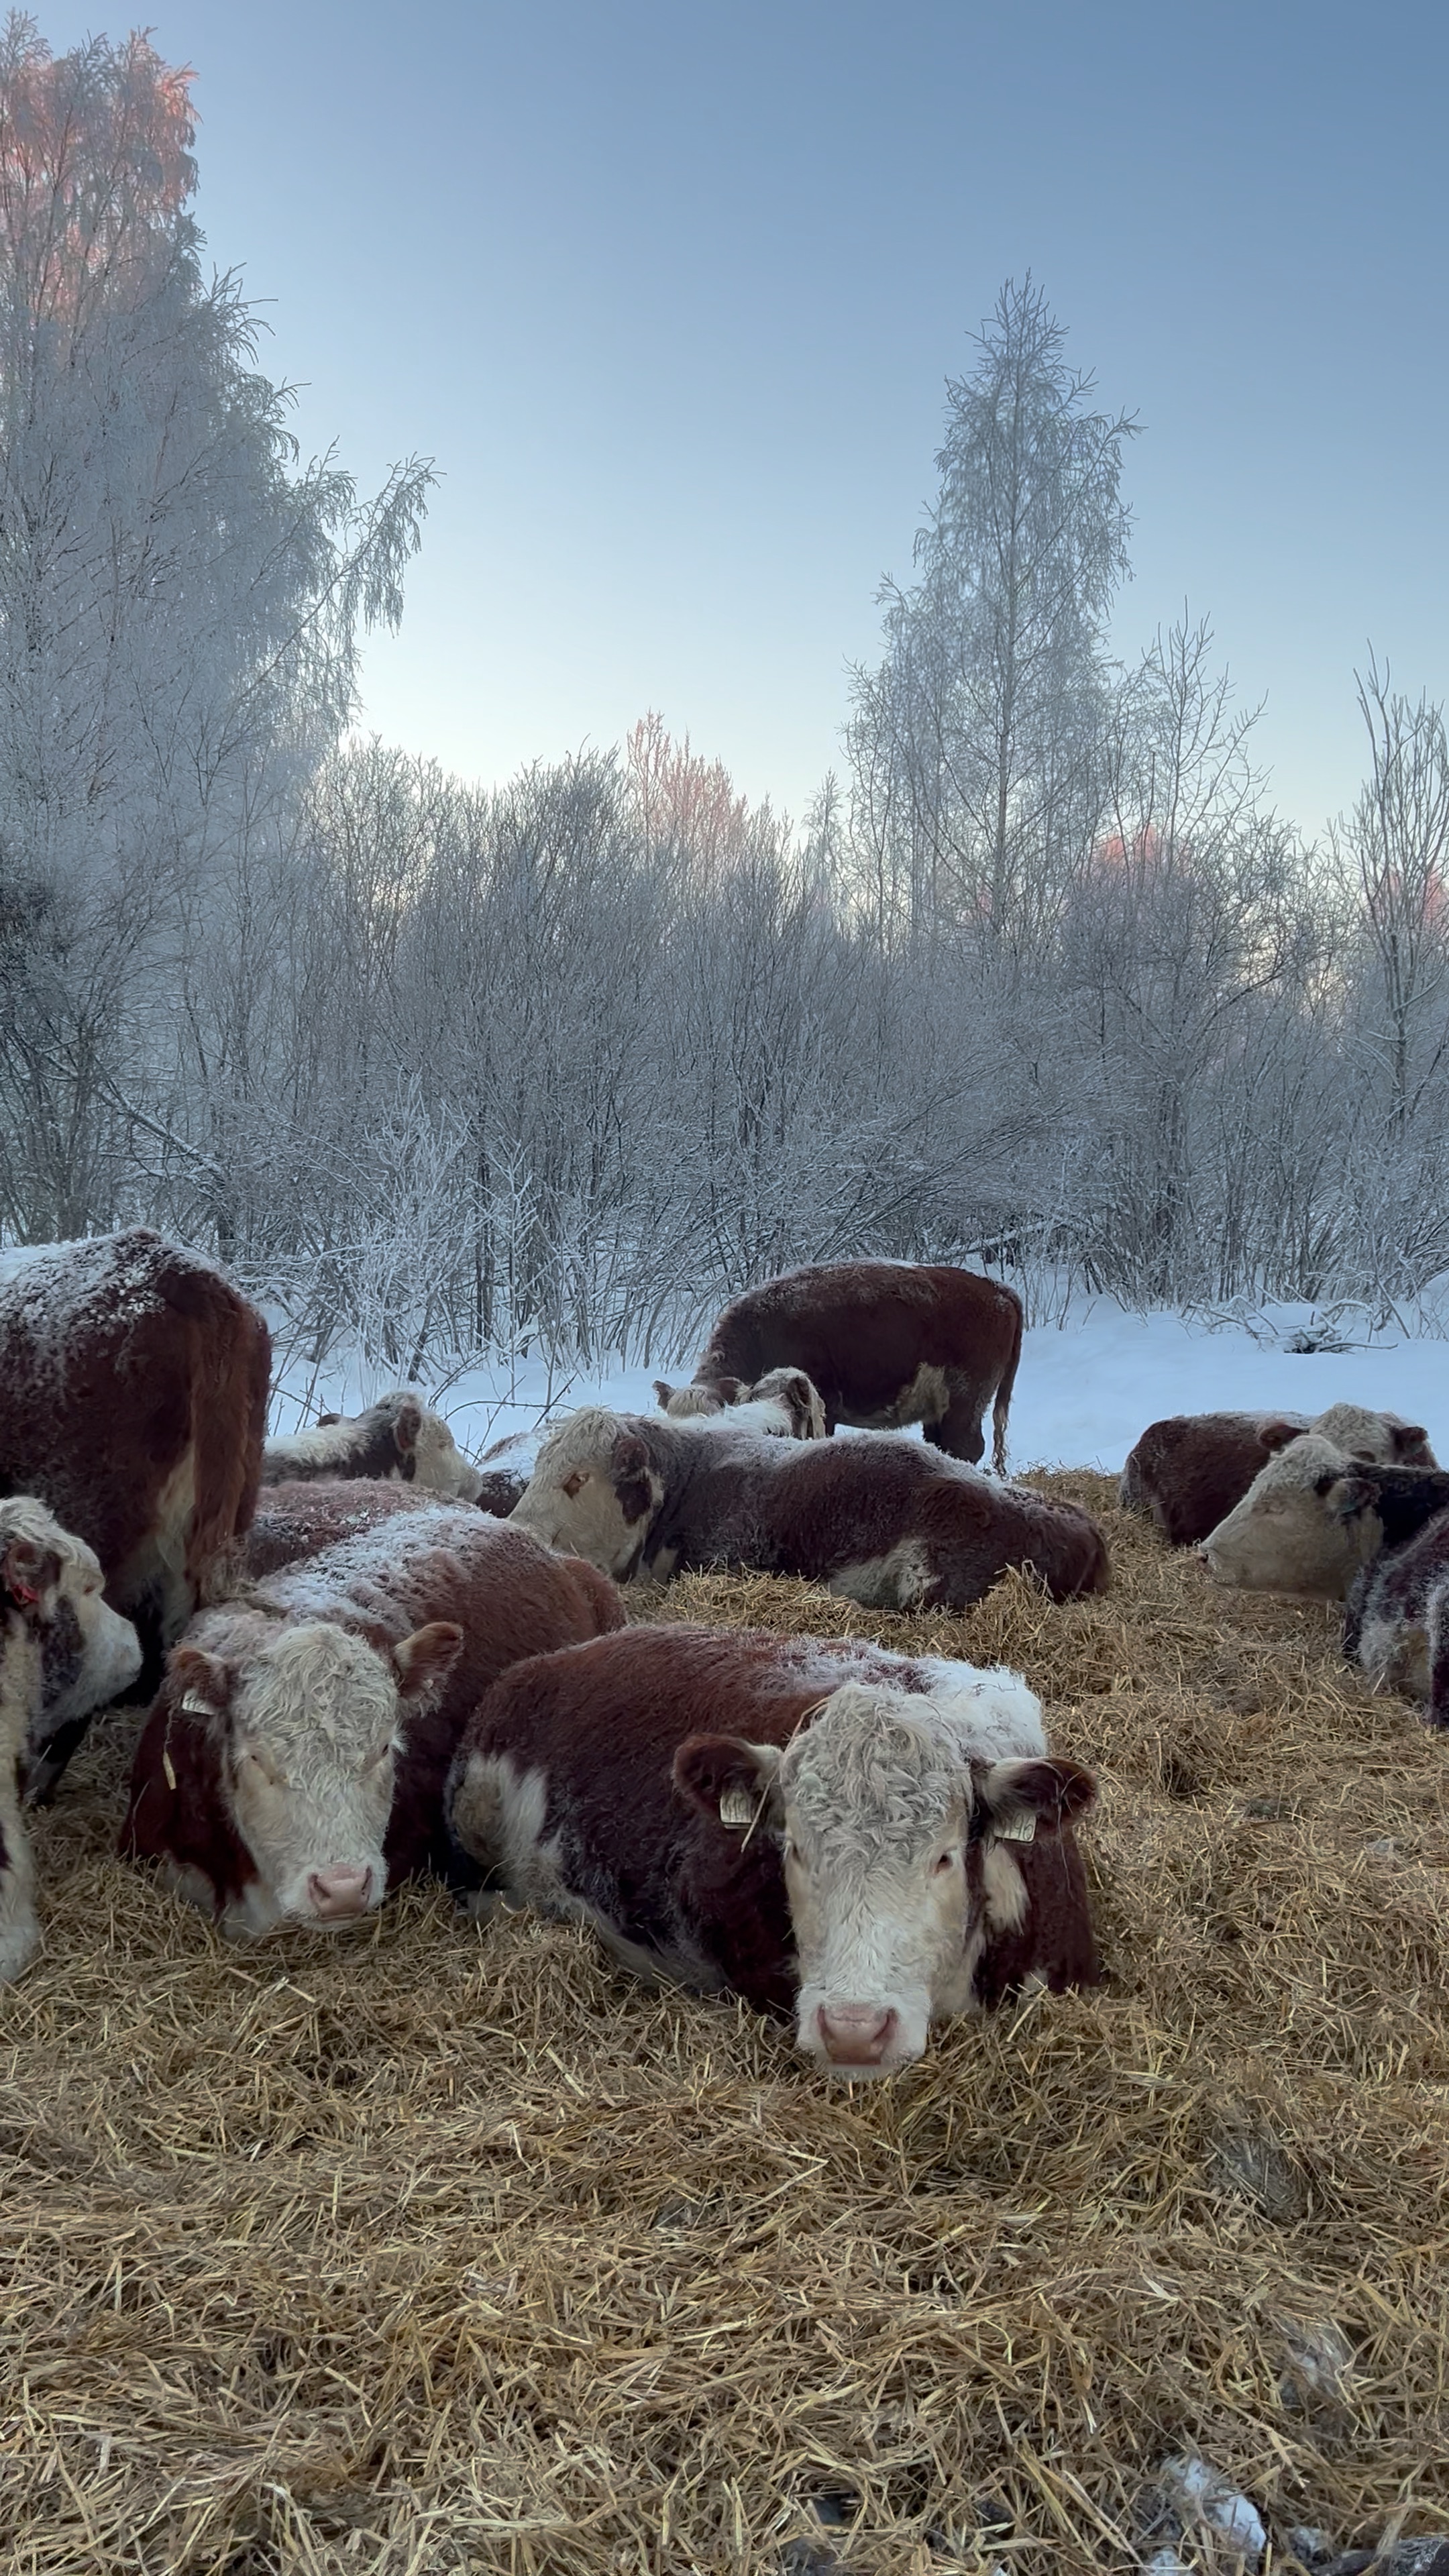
[
  {"x": 194, "y": 1705},
  {"x": 1021, "y": 1829},
  {"x": 736, "y": 1807}
]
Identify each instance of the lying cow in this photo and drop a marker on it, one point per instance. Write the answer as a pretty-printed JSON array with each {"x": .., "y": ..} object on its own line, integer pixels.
[
  {"x": 785, "y": 1405},
  {"x": 1398, "y": 1618},
  {"x": 295, "y": 1521},
  {"x": 1190, "y": 1470},
  {"x": 886, "y": 1343},
  {"x": 866, "y": 1842},
  {"x": 292, "y": 1768},
  {"x": 63, "y": 1652},
  {"x": 884, "y": 1522},
  {"x": 397, "y": 1437},
  {"x": 134, "y": 1403},
  {"x": 1296, "y": 1530}
]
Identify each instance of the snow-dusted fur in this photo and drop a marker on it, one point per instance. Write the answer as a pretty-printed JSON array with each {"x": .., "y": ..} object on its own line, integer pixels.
[
  {"x": 397, "y": 1437},
  {"x": 785, "y": 1404}
]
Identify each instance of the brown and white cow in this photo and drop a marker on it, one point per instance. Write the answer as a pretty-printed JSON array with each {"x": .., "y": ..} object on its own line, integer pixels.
[
  {"x": 292, "y": 1768},
  {"x": 1288, "y": 1534},
  {"x": 886, "y": 1343},
  {"x": 786, "y": 1405},
  {"x": 63, "y": 1652},
  {"x": 295, "y": 1521},
  {"x": 134, "y": 1404},
  {"x": 888, "y": 1523},
  {"x": 1190, "y": 1470},
  {"x": 865, "y": 1841},
  {"x": 397, "y": 1437}
]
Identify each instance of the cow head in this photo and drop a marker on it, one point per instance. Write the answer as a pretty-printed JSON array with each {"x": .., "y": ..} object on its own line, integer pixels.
[
  {"x": 307, "y": 1728},
  {"x": 688, "y": 1403},
  {"x": 53, "y": 1582},
  {"x": 438, "y": 1462},
  {"x": 896, "y": 1841},
  {"x": 1380, "y": 1439},
  {"x": 595, "y": 1492},
  {"x": 1286, "y": 1535}
]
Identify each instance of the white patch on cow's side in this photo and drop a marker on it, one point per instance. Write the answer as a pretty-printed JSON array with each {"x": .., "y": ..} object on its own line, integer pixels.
[
  {"x": 901, "y": 1580},
  {"x": 926, "y": 1399},
  {"x": 1284, "y": 1536},
  {"x": 157, "y": 1573}
]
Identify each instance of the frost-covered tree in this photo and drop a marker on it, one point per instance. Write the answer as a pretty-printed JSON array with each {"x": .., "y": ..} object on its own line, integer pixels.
[
  {"x": 973, "y": 744},
  {"x": 181, "y": 602}
]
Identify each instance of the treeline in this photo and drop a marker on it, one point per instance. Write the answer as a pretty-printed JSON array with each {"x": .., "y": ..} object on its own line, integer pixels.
[{"x": 1042, "y": 981}]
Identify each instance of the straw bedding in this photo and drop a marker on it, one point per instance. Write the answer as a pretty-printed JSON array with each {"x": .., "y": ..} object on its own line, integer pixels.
[{"x": 434, "y": 2248}]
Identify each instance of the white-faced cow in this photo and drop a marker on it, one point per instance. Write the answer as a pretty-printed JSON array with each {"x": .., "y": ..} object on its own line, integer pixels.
[
  {"x": 63, "y": 1652},
  {"x": 886, "y": 1343},
  {"x": 864, "y": 1841},
  {"x": 397, "y": 1437},
  {"x": 1190, "y": 1470},
  {"x": 786, "y": 1405},
  {"x": 293, "y": 1766},
  {"x": 888, "y": 1523},
  {"x": 1289, "y": 1532},
  {"x": 134, "y": 1403}
]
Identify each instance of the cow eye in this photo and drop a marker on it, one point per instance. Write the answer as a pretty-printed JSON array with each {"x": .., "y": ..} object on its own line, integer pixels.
[
  {"x": 267, "y": 1769},
  {"x": 946, "y": 1860},
  {"x": 375, "y": 1759},
  {"x": 573, "y": 1484}
]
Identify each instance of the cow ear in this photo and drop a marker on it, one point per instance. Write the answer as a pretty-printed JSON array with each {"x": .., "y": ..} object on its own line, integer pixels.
[
  {"x": 407, "y": 1423},
  {"x": 425, "y": 1659},
  {"x": 663, "y": 1391},
  {"x": 1277, "y": 1435},
  {"x": 203, "y": 1682},
  {"x": 728, "y": 1779},
  {"x": 1020, "y": 1797},
  {"x": 325, "y": 1421},
  {"x": 27, "y": 1570},
  {"x": 1348, "y": 1496},
  {"x": 628, "y": 1457},
  {"x": 1407, "y": 1437},
  {"x": 731, "y": 1390}
]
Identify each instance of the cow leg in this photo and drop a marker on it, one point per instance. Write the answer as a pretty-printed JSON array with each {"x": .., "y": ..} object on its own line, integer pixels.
[
  {"x": 960, "y": 1431},
  {"x": 19, "y": 1931}
]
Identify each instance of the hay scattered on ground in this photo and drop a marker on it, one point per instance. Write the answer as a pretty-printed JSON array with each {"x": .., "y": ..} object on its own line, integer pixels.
[{"x": 436, "y": 2249}]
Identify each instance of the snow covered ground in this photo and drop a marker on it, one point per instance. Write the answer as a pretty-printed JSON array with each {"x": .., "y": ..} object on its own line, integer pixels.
[{"x": 1084, "y": 1391}]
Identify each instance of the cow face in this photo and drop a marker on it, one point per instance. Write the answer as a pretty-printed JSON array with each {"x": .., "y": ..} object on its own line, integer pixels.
[
  {"x": 88, "y": 1653},
  {"x": 896, "y": 1847},
  {"x": 1379, "y": 1438},
  {"x": 594, "y": 1493},
  {"x": 799, "y": 1398},
  {"x": 1286, "y": 1535},
  {"x": 438, "y": 1462},
  {"x": 308, "y": 1731}
]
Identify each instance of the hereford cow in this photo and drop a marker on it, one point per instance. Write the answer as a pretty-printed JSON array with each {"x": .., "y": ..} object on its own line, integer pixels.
[
  {"x": 1287, "y": 1535},
  {"x": 397, "y": 1437},
  {"x": 1190, "y": 1470},
  {"x": 63, "y": 1652},
  {"x": 295, "y": 1521},
  {"x": 885, "y": 1342},
  {"x": 292, "y": 1768},
  {"x": 867, "y": 1842},
  {"x": 786, "y": 1405},
  {"x": 1398, "y": 1618},
  {"x": 134, "y": 1404},
  {"x": 884, "y": 1522}
]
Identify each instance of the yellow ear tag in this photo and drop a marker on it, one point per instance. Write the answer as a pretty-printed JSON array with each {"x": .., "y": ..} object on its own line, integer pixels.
[
  {"x": 736, "y": 1807},
  {"x": 1021, "y": 1829}
]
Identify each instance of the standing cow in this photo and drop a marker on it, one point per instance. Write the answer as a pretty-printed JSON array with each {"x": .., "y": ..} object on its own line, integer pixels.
[
  {"x": 887, "y": 1523},
  {"x": 292, "y": 1768},
  {"x": 885, "y": 1342},
  {"x": 63, "y": 1652},
  {"x": 133, "y": 1401},
  {"x": 868, "y": 1842}
]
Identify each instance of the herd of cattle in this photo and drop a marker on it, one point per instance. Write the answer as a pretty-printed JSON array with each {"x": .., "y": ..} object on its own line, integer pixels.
[{"x": 369, "y": 1658}]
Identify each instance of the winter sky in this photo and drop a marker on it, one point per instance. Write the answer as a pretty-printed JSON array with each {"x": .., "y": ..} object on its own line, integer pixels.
[{"x": 670, "y": 291}]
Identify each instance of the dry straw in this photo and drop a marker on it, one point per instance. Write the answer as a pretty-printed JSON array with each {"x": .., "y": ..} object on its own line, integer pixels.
[{"x": 434, "y": 2249}]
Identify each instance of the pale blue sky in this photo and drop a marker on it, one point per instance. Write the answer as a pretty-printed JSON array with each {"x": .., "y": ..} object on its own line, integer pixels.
[{"x": 670, "y": 291}]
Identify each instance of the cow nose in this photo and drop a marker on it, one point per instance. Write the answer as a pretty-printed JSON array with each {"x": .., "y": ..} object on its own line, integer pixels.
[
  {"x": 337, "y": 1892},
  {"x": 855, "y": 2034}
]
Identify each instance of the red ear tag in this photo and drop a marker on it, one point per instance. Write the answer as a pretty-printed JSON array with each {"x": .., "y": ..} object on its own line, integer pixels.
[{"x": 24, "y": 1593}]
